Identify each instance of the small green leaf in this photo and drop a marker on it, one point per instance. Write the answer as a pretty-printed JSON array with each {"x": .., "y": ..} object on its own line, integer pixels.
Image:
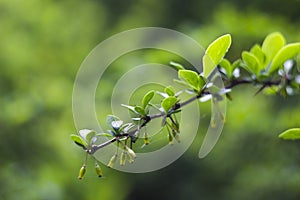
[
  {"x": 183, "y": 83},
  {"x": 215, "y": 53},
  {"x": 170, "y": 91},
  {"x": 227, "y": 66},
  {"x": 259, "y": 54},
  {"x": 252, "y": 63},
  {"x": 103, "y": 135},
  {"x": 272, "y": 44},
  {"x": 287, "y": 52},
  {"x": 168, "y": 103},
  {"x": 140, "y": 110},
  {"x": 191, "y": 77},
  {"x": 290, "y": 134},
  {"x": 130, "y": 108},
  {"x": 176, "y": 65},
  {"x": 147, "y": 98},
  {"x": 78, "y": 140},
  {"x": 236, "y": 64}
]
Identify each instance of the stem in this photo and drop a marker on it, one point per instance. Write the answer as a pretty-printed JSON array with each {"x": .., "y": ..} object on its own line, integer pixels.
[
  {"x": 148, "y": 118},
  {"x": 94, "y": 148}
]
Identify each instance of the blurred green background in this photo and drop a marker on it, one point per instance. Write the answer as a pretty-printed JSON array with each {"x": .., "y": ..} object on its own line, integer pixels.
[{"x": 42, "y": 44}]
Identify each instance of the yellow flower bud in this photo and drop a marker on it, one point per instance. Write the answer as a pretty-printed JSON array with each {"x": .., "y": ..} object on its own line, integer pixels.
[
  {"x": 112, "y": 161},
  {"x": 123, "y": 158},
  {"x": 170, "y": 138},
  {"x": 131, "y": 152},
  {"x": 98, "y": 170},
  {"x": 177, "y": 138},
  {"x": 176, "y": 135},
  {"x": 82, "y": 171},
  {"x": 129, "y": 158},
  {"x": 146, "y": 139}
]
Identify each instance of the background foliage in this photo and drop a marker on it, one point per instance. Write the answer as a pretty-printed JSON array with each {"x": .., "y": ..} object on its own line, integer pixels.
[{"x": 42, "y": 44}]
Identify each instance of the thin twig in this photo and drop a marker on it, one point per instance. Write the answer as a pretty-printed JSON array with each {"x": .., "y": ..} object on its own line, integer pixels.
[{"x": 177, "y": 106}]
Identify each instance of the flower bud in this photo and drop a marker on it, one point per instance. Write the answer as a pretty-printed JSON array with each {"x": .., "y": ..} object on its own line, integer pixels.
[
  {"x": 82, "y": 171},
  {"x": 146, "y": 139},
  {"x": 170, "y": 138},
  {"x": 129, "y": 158},
  {"x": 177, "y": 138},
  {"x": 98, "y": 170},
  {"x": 131, "y": 152},
  {"x": 123, "y": 158},
  {"x": 175, "y": 126},
  {"x": 176, "y": 135},
  {"x": 112, "y": 161}
]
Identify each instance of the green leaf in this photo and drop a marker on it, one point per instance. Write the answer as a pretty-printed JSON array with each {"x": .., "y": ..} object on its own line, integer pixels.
[
  {"x": 227, "y": 66},
  {"x": 272, "y": 44},
  {"x": 130, "y": 108},
  {"x": 191, "y": 77},
  {"x": 147, "y": 98},
  {"x": 259, "y": 54},
  {"x": 287, "y": 52},
  {"x": 103, "y": 135},
  {"x": 140, "y": 110},
  {"x": 290, "y": 134},
  {"x": 236, "y": 64},
  {"x": 114, "y": 122},
  {"x": 170, "y": 91},
  {"x": 168, "y": 103},
  {"x": 252, "y": 63},
  {"x": 215, "y": 53},
  {"x": 176, "y": 65},
  {"x": 78, "y": 140},
  {"x": 183, "y": 83}
]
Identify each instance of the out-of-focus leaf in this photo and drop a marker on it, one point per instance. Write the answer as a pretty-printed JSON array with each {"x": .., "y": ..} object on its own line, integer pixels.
[{"x": 290, "y": 134}]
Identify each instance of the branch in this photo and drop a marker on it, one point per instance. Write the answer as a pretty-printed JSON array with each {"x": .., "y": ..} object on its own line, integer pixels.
[{"x": 176, "y": 107}]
